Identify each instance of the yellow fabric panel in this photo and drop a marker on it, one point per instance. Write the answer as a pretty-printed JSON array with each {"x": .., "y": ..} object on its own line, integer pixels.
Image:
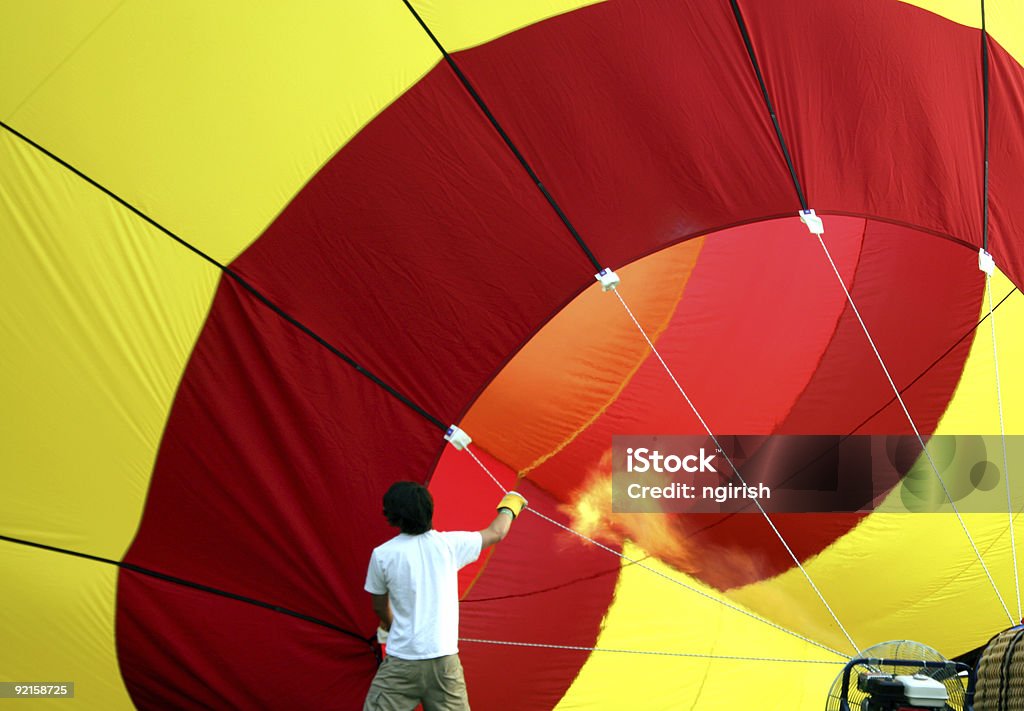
[
  {"x": 1004, "y": 19},
  {"x": 899, "y": 576},
  {"x": 25, "y": 61},
  {"x": 101, "y": 313},
  {"x": 210, "y": 117},
  {"x": 964, "y": 12},
  {"x": 58, "y": 625},
  {"x": 460, "y": 24},
  {"x": 974, "y": 408},
  {"x": 651, "y": 613}
]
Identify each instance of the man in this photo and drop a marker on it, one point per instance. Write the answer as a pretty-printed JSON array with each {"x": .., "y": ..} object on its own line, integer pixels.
[{"x": 414, "y": 583}]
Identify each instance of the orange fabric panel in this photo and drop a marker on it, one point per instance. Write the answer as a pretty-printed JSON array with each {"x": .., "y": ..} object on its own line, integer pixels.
[{"x": 576, "y": 366}]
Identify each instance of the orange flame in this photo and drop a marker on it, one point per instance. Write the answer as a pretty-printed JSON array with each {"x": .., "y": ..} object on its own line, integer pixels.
[
  {"x": 670, "y": 537},
  {"x": 590, "y": 512}
]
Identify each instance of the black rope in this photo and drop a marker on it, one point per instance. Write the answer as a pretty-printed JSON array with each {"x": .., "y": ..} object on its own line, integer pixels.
[
  {"x": 471, "y": 90},
  {"x": 906, "y": 387},
  {"x": 371, "y": 640},
  {"x": 557, "y": 586},
  {"x": 238, "y": 278},
  {"x": 741, "y": 23},
  {"x": 934, "y": 362},
  {"x": 985, "y": 100},
  {"x": 323, "y": 342}
]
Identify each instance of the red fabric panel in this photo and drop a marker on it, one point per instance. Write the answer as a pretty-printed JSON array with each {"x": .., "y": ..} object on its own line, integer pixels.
[
  {"x": 642, "y": 118},
  {"x": 185, "y": 649},
  {"x": 880, "y": 103},
  {"x": 749, "y": 331},
  {"x": 917, "y": 295},
  {"x": 1006, "y": 156},
  {"x": 420, "y": 250},
  {"x": 269, "y": 485},
  {"x": 891, "y": 124}
]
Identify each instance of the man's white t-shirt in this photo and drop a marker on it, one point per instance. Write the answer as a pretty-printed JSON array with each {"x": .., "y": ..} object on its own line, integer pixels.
[{"x": 419, "y": 574}]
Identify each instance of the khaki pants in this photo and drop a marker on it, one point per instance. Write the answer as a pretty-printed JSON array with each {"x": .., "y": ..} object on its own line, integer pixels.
[{"x": 400, "y": 684}]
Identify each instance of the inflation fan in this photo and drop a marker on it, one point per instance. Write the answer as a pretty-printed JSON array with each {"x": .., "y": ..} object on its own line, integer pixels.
[{"x": 902, "y": 676}]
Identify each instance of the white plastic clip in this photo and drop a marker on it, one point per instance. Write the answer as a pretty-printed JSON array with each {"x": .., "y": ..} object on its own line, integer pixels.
[
  {"x": 985, "y": 262},
  {"x": 458, "y": 438},
  {"x": 609, "y": 279},
  {"x": 813, "y": 222}
]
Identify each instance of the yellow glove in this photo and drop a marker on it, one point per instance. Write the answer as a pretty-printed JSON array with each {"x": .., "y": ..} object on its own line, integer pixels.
[{"x": 514, "y": 502}]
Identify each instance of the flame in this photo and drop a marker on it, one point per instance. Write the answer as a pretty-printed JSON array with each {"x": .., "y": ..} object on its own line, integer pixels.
[
  {"x": 670, "y": 537},
  {"x": 590, "y": 513}
]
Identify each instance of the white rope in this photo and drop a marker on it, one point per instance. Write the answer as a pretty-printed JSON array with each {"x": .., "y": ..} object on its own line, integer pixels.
[
  {"x": 700, "y": 592},
  {"x": 1002, "y": 433},
  {"x": 486, "y": 470},
  {"x": 575, "y": 648},
  {"x": 657, "y": 572},
  {"x": 910, "y": 419},
  {"x": 736, "y": 471}
]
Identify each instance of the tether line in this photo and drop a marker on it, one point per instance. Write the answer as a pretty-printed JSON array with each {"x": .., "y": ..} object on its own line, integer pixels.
[
  {"x": 1002, "y": 437},
  {"x": 892, "y": 399},
  {"x": 986, "y": 101},
  {"x": 931, "y": 365},
  {"x": 913, "y": 425},
  {"x": 735, "y": 470},
  {"x": 576, "y": 648},
  {"x": 640, "y": 564}
]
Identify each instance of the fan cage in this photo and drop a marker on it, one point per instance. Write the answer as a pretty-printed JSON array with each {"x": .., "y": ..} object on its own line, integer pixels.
[{"x": 903, "y": 650}]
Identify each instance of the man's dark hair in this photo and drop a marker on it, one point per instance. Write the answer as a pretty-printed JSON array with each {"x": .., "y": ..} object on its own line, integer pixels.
[{"x": 409, "y": 506}]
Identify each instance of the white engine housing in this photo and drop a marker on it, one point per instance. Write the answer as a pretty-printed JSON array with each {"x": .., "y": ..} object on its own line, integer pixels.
[{"x": 923, "y": 691}]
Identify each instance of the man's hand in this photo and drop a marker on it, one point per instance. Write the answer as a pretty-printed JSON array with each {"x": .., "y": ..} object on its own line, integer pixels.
[
  {"x": 514, "y": 502},
  {"x": 508, "y": 509}
]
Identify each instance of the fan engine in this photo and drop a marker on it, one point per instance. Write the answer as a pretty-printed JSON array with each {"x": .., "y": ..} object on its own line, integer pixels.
[{"x": 902, "y": 676}]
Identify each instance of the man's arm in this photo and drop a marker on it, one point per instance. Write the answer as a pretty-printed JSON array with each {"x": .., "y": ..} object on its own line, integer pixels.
[
  {"x": 508, "y": 509},
  {"x": 382, "y": 606},
  {"x": 498, "y": 529}
]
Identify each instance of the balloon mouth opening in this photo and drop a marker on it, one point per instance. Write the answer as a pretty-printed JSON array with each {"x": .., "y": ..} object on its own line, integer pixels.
[{"x": 757, "y": 330}]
